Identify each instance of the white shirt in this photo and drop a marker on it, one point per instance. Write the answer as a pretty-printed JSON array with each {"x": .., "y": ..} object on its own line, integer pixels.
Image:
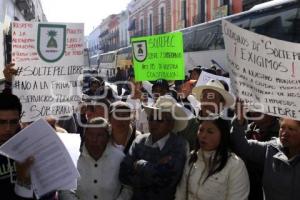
[
  {"x": 100, "y": 179},
  {"x": 194, "y": 103},
  {"x": 120, "y": 146},
  {"x": 140, "y": 116},
  {"x": 160, "y": 143}
]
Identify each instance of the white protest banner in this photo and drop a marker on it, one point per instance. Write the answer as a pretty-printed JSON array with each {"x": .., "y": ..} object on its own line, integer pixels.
[
  {"x": 264, "y": 72},
  {"x": 205, "y": 77},
  {"x": 49, "y": 59}
]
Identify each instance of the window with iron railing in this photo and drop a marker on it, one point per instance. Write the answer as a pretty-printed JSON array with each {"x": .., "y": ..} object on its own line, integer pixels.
[
  {"x": 141, "y": 24},
  {"x": 159, "y": 29},
  {"x": 162, "y": 19},
  {"x": 150, "y": 25},
  {"x": 140, "y": 33}
]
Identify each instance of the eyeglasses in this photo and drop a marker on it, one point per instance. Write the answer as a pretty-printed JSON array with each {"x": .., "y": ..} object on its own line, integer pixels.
[{"x": 11, "y": 122}]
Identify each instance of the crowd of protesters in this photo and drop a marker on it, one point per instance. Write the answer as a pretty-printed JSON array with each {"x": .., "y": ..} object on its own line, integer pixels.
[{"x": 164, "y": 140}]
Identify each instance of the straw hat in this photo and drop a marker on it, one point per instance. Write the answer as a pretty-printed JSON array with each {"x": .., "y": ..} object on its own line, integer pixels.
[
  {"x": 217, "y": 86},
  {"x": 169, "y": 104}
]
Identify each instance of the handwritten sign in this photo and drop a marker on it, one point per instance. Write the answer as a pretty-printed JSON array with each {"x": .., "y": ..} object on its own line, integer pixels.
[
  {"x": 49, "y": 59},
  {"x": 264, "y": 72},
  {"x": 158, "y": 57}
]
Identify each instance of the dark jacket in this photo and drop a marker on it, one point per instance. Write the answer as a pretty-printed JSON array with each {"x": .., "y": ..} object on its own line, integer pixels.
[
  {"x": 149, "y": 179},
  {"x": 281, "y": 176},
  {"x": 134, "y": 134},
  {"x": 6, "y": 186},
  {"x": 255, "y": 171},
  {"x": 190, "y": 132},
  {"x": 8, "y": 168}
]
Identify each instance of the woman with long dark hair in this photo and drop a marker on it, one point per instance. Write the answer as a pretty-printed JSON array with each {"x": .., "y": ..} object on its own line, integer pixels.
[{"x": 213, "y": 172}]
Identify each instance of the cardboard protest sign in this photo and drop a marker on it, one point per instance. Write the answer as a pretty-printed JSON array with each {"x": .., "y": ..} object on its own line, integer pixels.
[
  {"x": 264, "y": 72},
  {"x": 49, "y": 59},
  {"x": 158, "y": 57}
]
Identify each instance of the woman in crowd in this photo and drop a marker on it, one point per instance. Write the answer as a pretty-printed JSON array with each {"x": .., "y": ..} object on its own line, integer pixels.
[
  {"x": 214, "y": 99},
  {"x": 212, "y": 171},
  {"x": 98, "y": 166}
]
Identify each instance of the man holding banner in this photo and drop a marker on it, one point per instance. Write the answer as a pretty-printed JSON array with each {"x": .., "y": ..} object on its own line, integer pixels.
[
  {"x": 264, "y": 76},
  {"x": 10, "y": 173}
]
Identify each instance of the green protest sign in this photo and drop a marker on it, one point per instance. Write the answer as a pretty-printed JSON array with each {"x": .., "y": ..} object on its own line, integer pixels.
[{"x": 158, "y": 57}]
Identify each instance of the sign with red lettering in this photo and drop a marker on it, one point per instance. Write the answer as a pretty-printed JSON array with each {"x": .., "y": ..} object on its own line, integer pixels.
[{"x": 50, "y": 60}]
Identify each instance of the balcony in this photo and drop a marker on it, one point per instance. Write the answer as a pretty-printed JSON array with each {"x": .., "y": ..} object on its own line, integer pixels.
[
  {"x": 159, "y": 29},
  {"x": 123, "y": 43},
  {"x": 113, "y": 47},
  {"x": 116, "y": 33},
  {"x": 139, "y": 33},
  {"x": 104, "y": 33},
  {"x": 131, "y": 26},
  {"x": 109, "y": 47},
  {"x": 112, "y": 35},
  {"x": 27, "y": 7},
  {"x": 29, "y": 14},
  {"x": 23, "y": 4}
]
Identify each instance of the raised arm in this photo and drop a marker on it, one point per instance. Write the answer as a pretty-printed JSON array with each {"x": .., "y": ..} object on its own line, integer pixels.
[{"x": 247, "y": 149}]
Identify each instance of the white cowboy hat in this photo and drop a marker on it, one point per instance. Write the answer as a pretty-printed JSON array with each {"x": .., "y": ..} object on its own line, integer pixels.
[
  {"x": 217, "y": 86},
  {"x": 167, "y": 103}
]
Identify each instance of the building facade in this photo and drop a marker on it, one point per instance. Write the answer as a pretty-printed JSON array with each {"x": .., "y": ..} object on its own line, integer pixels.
[
  {"x": 124, "y": 39},
  {"x": 148, "y": 17},
  {"x": 93, "y": 44},
  {"x": 20, "y": 10},
  {"x": 39, "y": 12},
  {"x": 114, "y": 32},
  {"x": 109, "y": 36},
  {"x": 16, "y": 10},
  {"x": 187, "y": 13}
]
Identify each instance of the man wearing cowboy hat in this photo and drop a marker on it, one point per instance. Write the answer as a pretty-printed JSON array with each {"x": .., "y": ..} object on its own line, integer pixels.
[
  {"x": 213, "y": 97},
  {"x": 214, "y": 100},
  {"x": 155, "y": 161}
]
